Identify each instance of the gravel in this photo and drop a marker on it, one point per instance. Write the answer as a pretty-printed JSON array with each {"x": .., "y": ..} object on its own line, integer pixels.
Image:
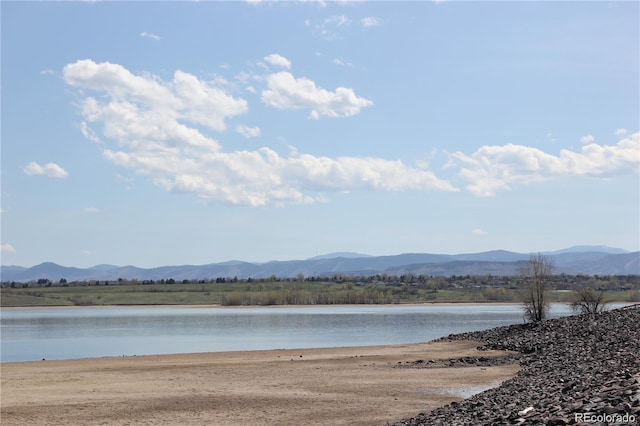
[{"x": 575, "y": 370}]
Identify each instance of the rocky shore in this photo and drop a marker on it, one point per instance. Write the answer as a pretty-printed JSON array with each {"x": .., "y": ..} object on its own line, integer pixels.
[{"x": 575, "y": 370}]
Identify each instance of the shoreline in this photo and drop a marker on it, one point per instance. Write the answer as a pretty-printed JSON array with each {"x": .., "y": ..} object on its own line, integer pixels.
[
  {"x": 233, "y": 348},
  {"x": 528, "y": 373},
  {"x": 217, "y": 306},
  {"x": 350, "y": 385},
  {"x": 612, "y": 305},
  {"x": 186, "y": 310},
  {"x": 572, "y": 368},
  {"x": 247, "y": 353}
]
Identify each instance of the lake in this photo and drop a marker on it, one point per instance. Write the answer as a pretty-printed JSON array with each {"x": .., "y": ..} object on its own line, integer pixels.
[{"x": 67, "y": 333}]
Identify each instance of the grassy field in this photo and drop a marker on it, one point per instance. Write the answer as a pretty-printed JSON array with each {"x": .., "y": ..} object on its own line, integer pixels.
[
  {"x": 155, "y": 294},
  {"x": 270, "y": 293}
]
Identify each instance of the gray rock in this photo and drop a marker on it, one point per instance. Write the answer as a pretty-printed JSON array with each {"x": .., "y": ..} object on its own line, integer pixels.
[{"x": 569, "y": 365}]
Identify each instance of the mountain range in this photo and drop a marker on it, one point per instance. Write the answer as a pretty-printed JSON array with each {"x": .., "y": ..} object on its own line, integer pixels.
[{"x": 590, "y": 260}]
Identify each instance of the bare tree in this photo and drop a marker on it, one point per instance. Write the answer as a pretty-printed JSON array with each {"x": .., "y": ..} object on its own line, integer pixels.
[
  {"x": 536, "y": 273},
  {"x": 588, "y": 301}
]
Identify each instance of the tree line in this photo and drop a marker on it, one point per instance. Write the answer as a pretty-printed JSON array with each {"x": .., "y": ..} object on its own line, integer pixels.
[{"x": 555, "y": 281}]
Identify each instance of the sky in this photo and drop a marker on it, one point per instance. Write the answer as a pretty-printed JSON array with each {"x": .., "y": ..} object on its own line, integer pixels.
[{"x": 170, "y": 133}]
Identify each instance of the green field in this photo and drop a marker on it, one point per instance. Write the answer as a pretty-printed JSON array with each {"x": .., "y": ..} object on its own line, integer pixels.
[{"x": 267, "y": 293}]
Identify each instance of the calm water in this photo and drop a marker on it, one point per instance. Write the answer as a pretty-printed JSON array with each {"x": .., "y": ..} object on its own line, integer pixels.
[{"x": 66, "y": 333}]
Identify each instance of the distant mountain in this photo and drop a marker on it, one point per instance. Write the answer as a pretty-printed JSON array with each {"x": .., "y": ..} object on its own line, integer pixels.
[
  {"x": 347, "y": 254},
  {"x": 103, "y": 267},
  {"x": 583, "y": 249},
  {"x": 493, "y": 256},
  {"x": 622, "y": 264},
  {"x": 13, "y": 269},
  {"x": 459, "y": 267},
  {"x": 585, "y": 260}
]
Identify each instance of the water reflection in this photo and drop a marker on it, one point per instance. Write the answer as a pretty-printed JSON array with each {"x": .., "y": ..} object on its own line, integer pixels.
[{"x": 60, "y": 333}]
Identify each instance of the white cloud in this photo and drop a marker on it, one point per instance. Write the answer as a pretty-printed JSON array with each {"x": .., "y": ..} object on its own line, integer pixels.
[
  {"x": 278, "y": 60},
  {"x": 287, "y": 92},
  {"x": 494, "y": 168},
  {"x": 338, "y": 20},
  {"x": 92, "y": 210},
  {"x": 88, "y": 132},
  {"x": 370, "y": 21},
  {"x": 587, "y": 139},
  {"x": 152, "y": 36},
  {"x": 331, "y": 27},
  {"x": 146, "y": 107},
  {"x": 8, "y": 248},
  {"x": 156, "y": 129},
  {"x": 342, "y": 63},
  {"x": 321, "y": 3},
  {"x": 248, "y": 132},
  {"x": 49, "y": 169},
  {"x": 263, "y": 177},
  {"x": 160, "y": 130},
  {"x": 47, "y": 72},
  {"x": 621, "y": 133},
  {"x": 479, "y": 232}
]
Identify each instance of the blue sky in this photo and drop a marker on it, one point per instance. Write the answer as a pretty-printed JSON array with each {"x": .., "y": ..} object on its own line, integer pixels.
[{"x": 154, "y": 133}]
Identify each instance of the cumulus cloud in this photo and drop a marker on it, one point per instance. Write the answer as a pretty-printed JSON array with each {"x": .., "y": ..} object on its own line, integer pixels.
[
  {"x": 495, "y": 168},
  {"x": 161, "y": 130},
  {"x": 8, "y": 248},
  {"x": 264, "y": 177},
  {"x": 479, "y": 232},
  {"x": 278, "y": 60},
  {"x": 148, "y": 110},
  {"x": 370, "y": 21},
  {"x": 152, "y": 36},
  {"x": 287, "y": 92},
  {"x": 49, "y": 169},
  {"x": 157, "y": 129},
  {"x": 248, "y": 132}
]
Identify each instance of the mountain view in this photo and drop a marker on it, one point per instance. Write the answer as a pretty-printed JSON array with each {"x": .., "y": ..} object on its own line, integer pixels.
[
  {"x": 316, "y": 212},
  {"x": 596, "y": 260}
]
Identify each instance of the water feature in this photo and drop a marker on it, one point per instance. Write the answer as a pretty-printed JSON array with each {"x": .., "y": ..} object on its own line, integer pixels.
[{"x": 68, "y": 333}]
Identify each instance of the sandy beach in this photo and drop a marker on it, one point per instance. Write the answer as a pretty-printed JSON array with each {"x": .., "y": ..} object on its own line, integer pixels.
[{"x": 340, "y": 386}]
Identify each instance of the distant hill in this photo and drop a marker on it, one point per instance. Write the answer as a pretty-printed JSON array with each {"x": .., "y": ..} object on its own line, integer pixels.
[
  {"x": 586, "y": 260},
  {"x": 347, "y": 254},
  {"x": 583, "y": 249}
]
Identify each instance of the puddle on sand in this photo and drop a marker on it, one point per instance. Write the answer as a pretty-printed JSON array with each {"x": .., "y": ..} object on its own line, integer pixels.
[
  {"x": 463, "y": 391},
  {"x": 469, "y": 391}
]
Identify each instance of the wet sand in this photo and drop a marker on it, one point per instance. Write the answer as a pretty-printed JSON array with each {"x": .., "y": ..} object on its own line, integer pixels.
[{"x": 338, "y": 386}]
